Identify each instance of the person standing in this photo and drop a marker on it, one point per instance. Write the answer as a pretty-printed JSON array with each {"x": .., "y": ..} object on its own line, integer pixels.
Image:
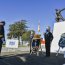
[
  {"x": 2, "y": 35},
  {"x": 48, "y": 39}
]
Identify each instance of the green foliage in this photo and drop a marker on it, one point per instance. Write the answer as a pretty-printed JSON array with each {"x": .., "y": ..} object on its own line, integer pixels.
[
  {"x": 26, "y": 35},
  {"x": 17, "y": 29}
]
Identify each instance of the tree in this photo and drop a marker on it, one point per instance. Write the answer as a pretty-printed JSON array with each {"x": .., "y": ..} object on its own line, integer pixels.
[
  {"x": 26, "y": 35},
  {"x": 17, "y": 29}
]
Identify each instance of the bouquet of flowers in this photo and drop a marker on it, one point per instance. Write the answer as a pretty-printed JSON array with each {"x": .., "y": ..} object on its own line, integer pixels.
[{"x": 37, "y": 36}]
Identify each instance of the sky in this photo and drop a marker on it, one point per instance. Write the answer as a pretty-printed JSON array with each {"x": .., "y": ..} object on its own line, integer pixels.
[{"x": 33, "y": 11}]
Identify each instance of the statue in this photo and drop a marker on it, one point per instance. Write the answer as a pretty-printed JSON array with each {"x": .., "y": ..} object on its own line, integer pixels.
[{"x": 59, "y": 17}]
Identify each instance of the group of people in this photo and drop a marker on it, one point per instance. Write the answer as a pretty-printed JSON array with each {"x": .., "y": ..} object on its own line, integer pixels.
[{"x": 47, "y": 35}]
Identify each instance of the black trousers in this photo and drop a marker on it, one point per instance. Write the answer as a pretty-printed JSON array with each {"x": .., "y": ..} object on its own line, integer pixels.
[
  {"x": 47, "y": 46},
  {"x": 0, "y": 45}
]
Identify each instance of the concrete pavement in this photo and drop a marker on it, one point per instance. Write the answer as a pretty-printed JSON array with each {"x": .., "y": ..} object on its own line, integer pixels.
[
  {"x": 22, "y": 57},
  {"x": 27, "y": 59}
]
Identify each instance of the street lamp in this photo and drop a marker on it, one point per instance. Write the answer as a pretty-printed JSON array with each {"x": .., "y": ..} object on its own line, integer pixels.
[{"x": 31, "y": 37}]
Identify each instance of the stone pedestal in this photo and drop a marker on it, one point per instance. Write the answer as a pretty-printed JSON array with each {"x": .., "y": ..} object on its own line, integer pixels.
[{"x": 59, "y": 29}]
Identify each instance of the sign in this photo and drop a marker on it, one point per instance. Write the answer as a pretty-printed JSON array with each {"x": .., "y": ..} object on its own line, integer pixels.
[
  {"x": 59, "y": 29},
  {"x": 11, "y": 43}
]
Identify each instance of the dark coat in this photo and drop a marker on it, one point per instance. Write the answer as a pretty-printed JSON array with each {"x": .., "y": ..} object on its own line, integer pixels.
[{"x": 48, "y": 37}]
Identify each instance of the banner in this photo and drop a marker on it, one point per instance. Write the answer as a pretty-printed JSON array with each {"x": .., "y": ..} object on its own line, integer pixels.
[{"x": 11, "y": 43}]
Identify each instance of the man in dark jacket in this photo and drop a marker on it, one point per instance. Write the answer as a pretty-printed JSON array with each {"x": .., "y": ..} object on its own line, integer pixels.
[{"x": 48, "y": 39}]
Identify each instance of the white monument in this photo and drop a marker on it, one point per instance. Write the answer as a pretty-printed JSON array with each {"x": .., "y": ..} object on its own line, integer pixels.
[{"x": 59, "y": 28}]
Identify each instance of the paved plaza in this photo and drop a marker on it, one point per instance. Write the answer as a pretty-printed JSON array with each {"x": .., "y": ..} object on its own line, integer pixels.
[{"x": 24, "y": 58}]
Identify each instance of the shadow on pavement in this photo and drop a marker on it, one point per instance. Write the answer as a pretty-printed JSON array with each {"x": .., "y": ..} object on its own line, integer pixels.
[{"x": 27, "y": 59}]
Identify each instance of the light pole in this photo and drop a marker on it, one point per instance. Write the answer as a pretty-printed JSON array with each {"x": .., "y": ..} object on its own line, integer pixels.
[{"x": 31, "y": 37}]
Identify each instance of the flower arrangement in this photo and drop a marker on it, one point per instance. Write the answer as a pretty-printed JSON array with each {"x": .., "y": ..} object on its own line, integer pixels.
[{"x": 37, "y": 36}]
